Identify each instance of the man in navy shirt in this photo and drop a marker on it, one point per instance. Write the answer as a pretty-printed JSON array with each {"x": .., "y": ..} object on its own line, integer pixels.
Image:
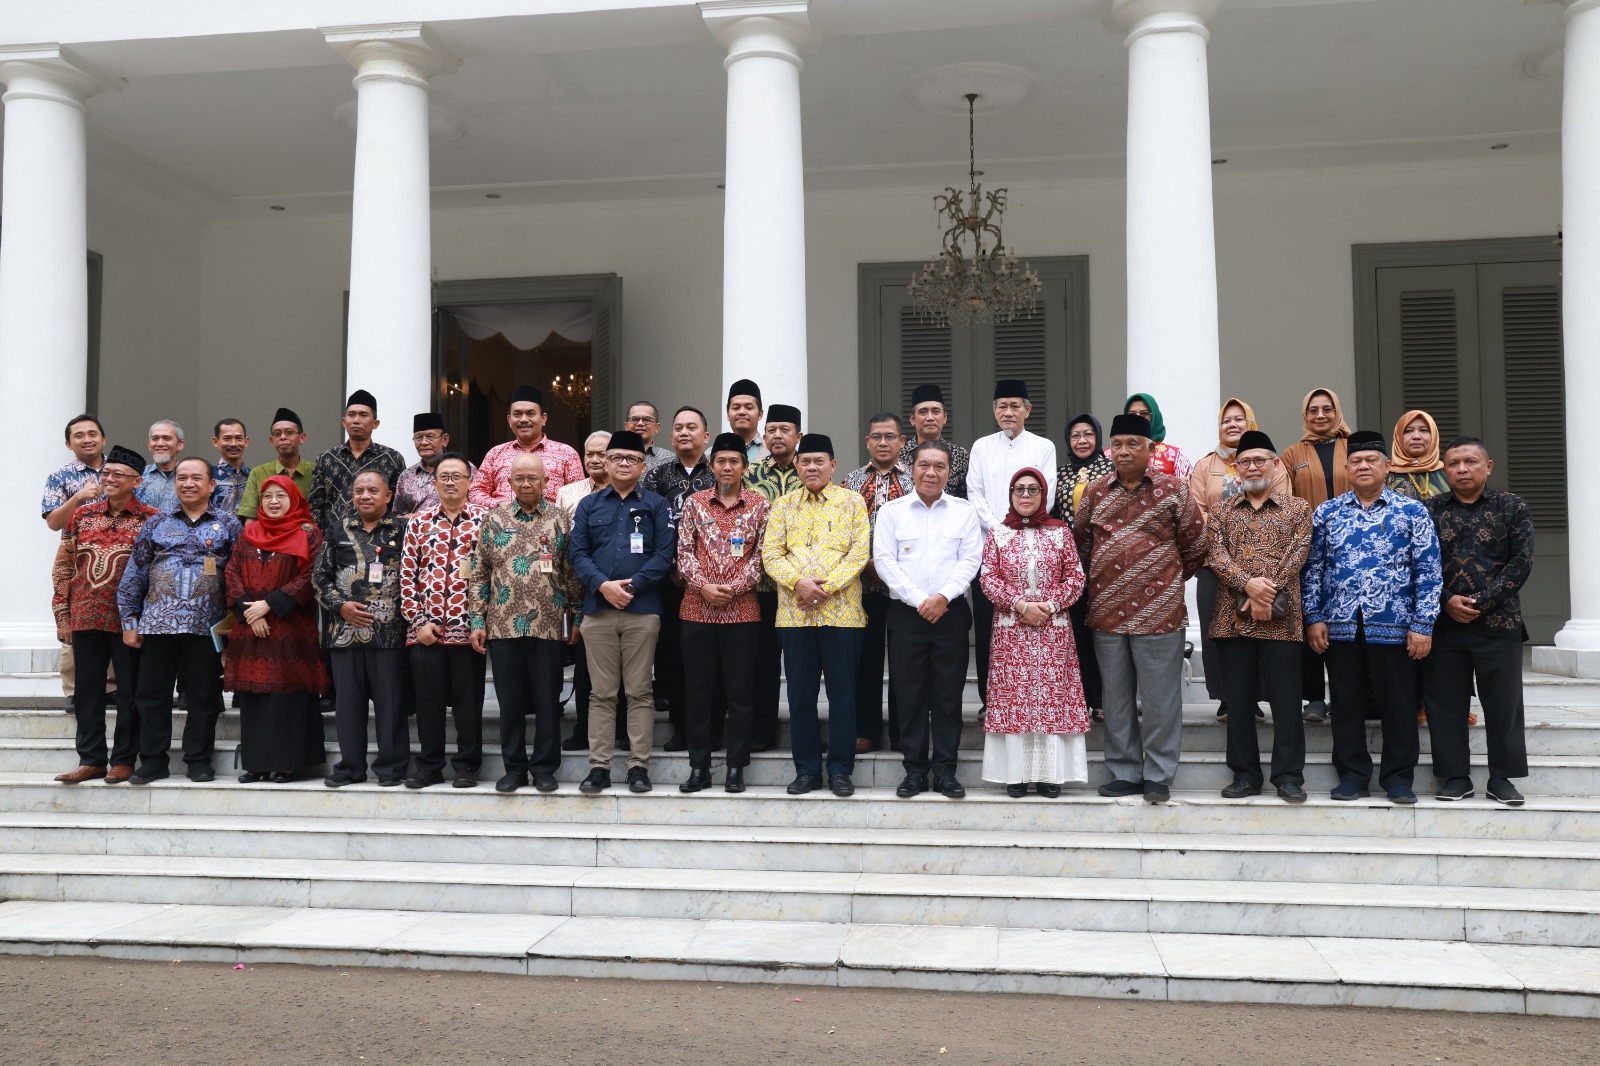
[{"x": 623, "y": 547}]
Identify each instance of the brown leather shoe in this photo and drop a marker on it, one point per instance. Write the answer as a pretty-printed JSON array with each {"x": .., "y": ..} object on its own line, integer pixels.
[
  {"x": 81, "y": 774},
  {"x": 863, "y": 745},
  {"x": 118, "y": 775}
]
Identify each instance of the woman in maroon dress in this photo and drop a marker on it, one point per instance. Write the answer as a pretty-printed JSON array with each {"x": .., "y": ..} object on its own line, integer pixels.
[{"x": 274, "y": 656}]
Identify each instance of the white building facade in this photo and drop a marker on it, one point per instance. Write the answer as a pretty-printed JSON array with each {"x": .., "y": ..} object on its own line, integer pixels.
[{"x": 214, "y": 210}]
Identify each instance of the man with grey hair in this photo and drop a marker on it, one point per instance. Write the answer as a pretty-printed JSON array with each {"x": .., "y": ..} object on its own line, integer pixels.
[{"x": 159, "y": 489}]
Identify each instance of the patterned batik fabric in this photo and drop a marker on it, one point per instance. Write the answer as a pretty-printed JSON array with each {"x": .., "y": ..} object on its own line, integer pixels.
[
  {"x": 960, "y": 460},
  {"x": 95, "y": 549},
  {"x": 674, "y": 484},
  {"x": 414, "y": 490},
  {"x": 230, "y": 486},
  {"x": 1141, "y": 546},
  {"x": 511, "y": 594},
  {"x": 877, "y": 489},
  {"x": 1378, "y": 563},
  {"x": 774, "y": 482},
  {"x": 825, "y": 536},
  {"x": 334, "y": 474},
  {"x": 1486, "y": 550},
  {"x": 159, "y": 488},
  {"x": 1070, "y": 485},
  {"x": 63, "y": 483},
  {"x": 1243, "y": 542},
  {"x": 491, "y": 485},
  {"x": 344, "y": 572},
  {"x": 168, "y": 587},
  {"x": 289, "y": 657},
  {"x": 707, "y": 531},
  {"x": 436, "y": 572},
  {"x": 1034, "y": 681},
  {"x": 1419, "y": 487}
]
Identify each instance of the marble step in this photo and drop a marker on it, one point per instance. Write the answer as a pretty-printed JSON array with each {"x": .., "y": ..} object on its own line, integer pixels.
[
  {"x": 1198, "y": 814},
  {"x": 1174, "y": 856},
  {"x": 1330, "y": 971},
  {"x": 1556, "y": 917}
]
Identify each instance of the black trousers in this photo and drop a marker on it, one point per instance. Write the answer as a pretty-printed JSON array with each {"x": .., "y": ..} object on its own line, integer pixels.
[
  {"x": 1205, "y": 594},
  {"x": 523, "y": 667},
  {"x": 163, "y": 661},
  {"x": 983, "y": 623},
  {"x": 869, "y": 674},
  {"x": 727, "y": 653},
  {"x": 928, "y": 662},
  {"x": 93, "y": 650},
  {"x": 448, "y": 674},
  {"x": 1313, "y": 667},
  {"x": 1274, "y": 665},
  {"x": 1088, "y": 665},
  {"x": 1460, "y": 654},
  {"x": 1352, "y": 665},
  {"x": 360, "y": 676},
  {"x": 669, "y": 655},
  {"x": 769, "y": 674}
]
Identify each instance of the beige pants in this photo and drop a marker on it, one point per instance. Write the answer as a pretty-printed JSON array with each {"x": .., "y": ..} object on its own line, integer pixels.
[
  {"x": 69, "y": 670},
  {"x": 622, "y": 652}
]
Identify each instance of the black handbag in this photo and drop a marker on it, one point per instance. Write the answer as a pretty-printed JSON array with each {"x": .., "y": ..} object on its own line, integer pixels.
[{"x": 1280, "y": 605}]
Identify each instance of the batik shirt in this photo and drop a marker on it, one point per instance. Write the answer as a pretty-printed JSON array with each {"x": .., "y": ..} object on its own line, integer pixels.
[
  {"x": 355, "y": 564},
  {"x": 822, "y": 535},
  {"x": 959, "y": 460},
  {"x": 334, "y": 474},
  {"x": 173, "y": 584},
  {"x": 876, "y": 490},
  {"x": 774, "y": 482},
  {"x": 1379, "y": 564},
  {"x": 721, "y": 545},
  {"x": 491, "y": 485},
  {"x": 522, "y": 579},
  {"x": 1139, "y": 547},
  {"x": 1487, "y": 554},
  {"x": 1245, "y": 542},
  {"x": 64, "y": 482},
  {"x": 230, "y": 488},
  {"x": 95, "y": 548},
  {"x": 674, "y": 484},
  {"x": 414, "y": 490},
  {"x": 159, "y": 489},
  {"x": 436, "y": 570},
  {"x": 655, "y": 457}
]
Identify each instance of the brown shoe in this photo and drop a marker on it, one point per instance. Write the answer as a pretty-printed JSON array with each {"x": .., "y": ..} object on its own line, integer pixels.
[
  {"x": 81, "y": 774},
  {"x": 863, "y": 745},
  {"x": 118, "y": 775}
]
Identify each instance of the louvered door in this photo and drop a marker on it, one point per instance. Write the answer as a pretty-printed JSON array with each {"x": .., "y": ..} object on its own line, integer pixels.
[{"x": 1428, "y": 317}]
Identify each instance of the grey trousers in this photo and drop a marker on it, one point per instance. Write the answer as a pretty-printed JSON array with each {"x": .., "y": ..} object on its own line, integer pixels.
[{"x": 1151, "y": 667}]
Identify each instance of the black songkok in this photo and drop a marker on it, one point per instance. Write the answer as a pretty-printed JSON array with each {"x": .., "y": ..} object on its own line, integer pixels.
[
  {"x": 1366, "y": 440},
  {"x": 426, "y": 421},
  {"x": 362, "y": 398},
  {"x": 286, "y": 415},
  {"x": 728, "y": 442},
  {"x": 626, "y": 440},
  {"x": 1130, "y": 426},
  {"x": 528, "y": 394},
  {"x": 126, "y": 457},
  {"x": 746, "y": 387},
  {"x": 815, "y": 442},
  {"x": 782, "y": 412},
  {"x": 1011, "y": 389},
  {"x": 1254, "y": 440},
  {"x": 929, "y": 394}
]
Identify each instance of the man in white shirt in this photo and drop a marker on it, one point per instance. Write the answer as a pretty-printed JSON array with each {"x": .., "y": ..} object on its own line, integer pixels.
[
  {"x": 995, "y": 459},
  {"x": 926, "y": 547}
]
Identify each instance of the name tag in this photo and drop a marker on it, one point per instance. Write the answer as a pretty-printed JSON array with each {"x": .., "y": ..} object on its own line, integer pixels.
[
  {"x": 636, "y": 543},
  {"x": 375, "y": 573},
  {"x": 209, "y": 565},
  {"x": 464, "y": 568},
  {"x": 736, "y": 546},
  {"x": 547, "y": 563}
]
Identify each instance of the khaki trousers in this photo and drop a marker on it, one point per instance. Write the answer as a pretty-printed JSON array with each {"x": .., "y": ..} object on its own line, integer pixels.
[{"x": 621, "y": 648}]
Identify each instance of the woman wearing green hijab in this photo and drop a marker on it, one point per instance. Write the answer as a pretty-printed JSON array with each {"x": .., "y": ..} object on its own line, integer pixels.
[{"x": 1164, "y": 458}]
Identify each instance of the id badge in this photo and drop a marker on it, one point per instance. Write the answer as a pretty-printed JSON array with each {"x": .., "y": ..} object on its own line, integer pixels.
[
  {"x": 736, "y": 546},
  {"x": 636, "y": 543},
  {"x": 547, "y": 563},
  {"x": 464, "y": 569},
  {"x": 209, "y": 566},
  {"x": 374, "y": 573}
]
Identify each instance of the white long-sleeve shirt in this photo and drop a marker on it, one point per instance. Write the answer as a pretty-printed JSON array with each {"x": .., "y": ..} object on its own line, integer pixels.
[
  {"x": 995, "y": 459},
  {"x": 921, "y": 551}
]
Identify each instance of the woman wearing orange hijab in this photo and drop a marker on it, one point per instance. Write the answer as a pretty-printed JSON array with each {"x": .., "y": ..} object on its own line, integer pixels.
[{"x": 1415, "y": 469}]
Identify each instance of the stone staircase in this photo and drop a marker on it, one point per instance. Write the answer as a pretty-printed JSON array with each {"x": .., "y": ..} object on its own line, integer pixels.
[{"x": 1466, "y": 906}]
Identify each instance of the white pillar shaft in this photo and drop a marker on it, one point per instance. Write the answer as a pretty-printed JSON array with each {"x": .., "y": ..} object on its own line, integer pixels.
[
  {"x": 1172, "y": 268},
  {"x": 44, "y": 325},
  {"x": 763, "y": 241},
  {"x": 390, "y": 338}
]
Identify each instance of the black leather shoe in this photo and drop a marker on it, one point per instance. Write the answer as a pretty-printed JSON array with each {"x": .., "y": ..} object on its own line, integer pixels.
[
  {"x": 1457, "y": 788},
  {"x": 281, "y": 777},
  {"x": 1290, "y": 792},
  {"x": 1116, "y": 788},
  {"x": 415, "y": 781},
  {"x": 250, "y": 778},
  {"x": 1154, "y": 793},
  {"x": 341, "y": 780},
  {"x": 1049, "y": 791},
  {"x": 72, "y": 705},
  {"x": 676, "y": 742},
  {"x": 545, "y": 782},
  {"x": 841, "y": 785},
  {"x": 639, "y": 780},
  {"x": 144, "y": 775},
  {"x": 804, "y": 783},
  {"x": 1503, "y": 791},
  {"x": 511, "y": 782},
  {"x": 389, "y": 782},
  {"x": 949, "y": 787},
  {"x": 200, "y": 774},
  {"x": 1016, "y": 792},
  {"x": 911, "y": 786},
  {"x": 575, "y": 743},
  {"x": 465, "y": 779},
  {"x": 324, "y": 706},
  {"x": 735, "y": 781},
  {"x": 699, "y": 781},
  {"x": 598, "y": 781},
  {"x": 1240, "y": 789}
]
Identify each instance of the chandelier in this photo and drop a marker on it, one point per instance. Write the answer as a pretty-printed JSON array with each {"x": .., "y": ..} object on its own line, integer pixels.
[
  {"x": 573, "y": 391},
  {"x": 981, "y": 282}
]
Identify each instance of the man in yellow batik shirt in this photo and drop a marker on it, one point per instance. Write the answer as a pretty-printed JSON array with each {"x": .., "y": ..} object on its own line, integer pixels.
[{"x": 817, "y": 541}]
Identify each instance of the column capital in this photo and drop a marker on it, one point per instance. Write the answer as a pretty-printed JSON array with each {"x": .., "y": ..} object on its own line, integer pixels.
[
  {"x": 1139, "y": 18},
  {"x": 404, "y": 51},
  {"x": 51, "y": 72},
  {"x": 776, "y": 29}
]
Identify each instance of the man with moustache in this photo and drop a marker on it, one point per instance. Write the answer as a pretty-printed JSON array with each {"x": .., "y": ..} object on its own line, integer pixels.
[
  {"x": 415, "y": 490},
  {"x": 158, "y": 487},
  {"x": 288, "y": 435},
  {"x": 594, "y": 465},
  {"x": 333, "y": 475},
  {"x": 929, "y": 416},
  {"x": 491, "y": 486},
  {"x": 644, "y": 418},
  {"x": 232, "y": 474}
]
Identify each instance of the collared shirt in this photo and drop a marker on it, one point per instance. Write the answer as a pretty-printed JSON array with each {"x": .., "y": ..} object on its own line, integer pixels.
[
  {"x": 159, "y": 489},
  {"x": 571, "y": 495},
  {"x": 674, "y": 484},
  {"x": 921, "y": 550},
  {"x": 62, "y": 483},
  {"x": 1269, "y": 541},
  {"x": 512, "y": 594},
  {"x": 995, "y": 459},
  {"x": 774, "y": 482},
  {"x": 230, "y": 488},
  {"x": 1139, "y": 546},
  {"x": 334, "y": 475},
  {"x": 1486, "y": 550},
  {"x": 721, "y": 545},
  {"x": 755, "y": 450},
  {"x": 345, "y": 569},
  {"x": 825, "y": 536},
  {"x": 414, "y": 490},
  {"x": 876, "y": 490},
  {"x": 94, "y": 550},
  {"x": 602, "y": 547},
  {"x": 250, "y": 502},
  {"x": 655, "y": 456},
  {"x": 491, "y": 486},
  {"x": 436, "y": 572},
  {"x": 1215, "y": 479},
  {"x": 1379, "y": 564},
  {"x": 960, "y": 460},
  {"x": 169, "y": 588}
]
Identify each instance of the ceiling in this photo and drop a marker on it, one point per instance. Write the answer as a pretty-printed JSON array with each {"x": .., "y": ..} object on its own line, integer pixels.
[{"x": 630, "y": 105}]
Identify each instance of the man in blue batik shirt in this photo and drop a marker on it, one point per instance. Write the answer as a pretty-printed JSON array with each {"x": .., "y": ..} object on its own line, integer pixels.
[{"x": 1371, "y": 588}]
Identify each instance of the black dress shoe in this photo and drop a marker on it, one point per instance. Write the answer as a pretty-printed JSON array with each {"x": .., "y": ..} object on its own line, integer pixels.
[
  {"x": 181, "y": 703},
  {"x": 804, "y": 783},
  {"x": 1240, "y": 789},
  {"x": 200, "y": 774},
  {"x": 545, "y": 782},
  {"x": 389, "y": 782},
  {"x": 250, "y": 778},
  {"x": 1290, "y": 792},
  {"x": 511, "y": 782},
  {"x": 841, "y": 785},
  {"x": 324, "y": 706},
  {"x": 597, "y": 782},
  {"x": 1016, "y": 792},
  {"x": 1117, "y": 788},
  {"x": 676, "y": 742},
  {"x": 913, "y": 784},
  {"x": 341, "y": 780},
  {"x": 1222, "y": 712},
  {"x": 72, "y": 705},
  {"x": 575, "y": 743},
  {"x": 1457, "y": 788},
  {"x": 699, "y": 781},
  {"x": 1154, "y": 793},
  {"x": 417, "y": 781},
  {"x": 1048, "y": 791},
  {"x": 279, "y": 777},
  {"x": 735, "y": 781},
  {"x": 949, "y": 787},
  {"x": 144, "y": 775},
  {"x": 639, "y": 780},
  {"x": 1503, "y": 791},
  {"x": 465, "y": 779}
]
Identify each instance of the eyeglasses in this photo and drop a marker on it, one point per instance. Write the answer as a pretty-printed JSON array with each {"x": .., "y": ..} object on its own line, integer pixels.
[
  {"x": 526, "y": 479},
  {"x": 625, "y": 460},
  {"x": 883, "y": 438},
  {"x": 1252, "y": 464},
  {"x": 1027, "y": 490},
  {"x": 427, "y": 438},
  {"x": 638, "y": 420},
  {"x": 451, "y": 479}
]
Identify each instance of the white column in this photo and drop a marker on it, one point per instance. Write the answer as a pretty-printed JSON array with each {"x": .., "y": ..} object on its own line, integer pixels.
[
  {"x": 1172, "y": 264},
  {"x": 1577, "y": 650},
  {"x": 764, "y": 225},
  {"x": 389, "y": 345},
  {"x": 44, "y": 313}
]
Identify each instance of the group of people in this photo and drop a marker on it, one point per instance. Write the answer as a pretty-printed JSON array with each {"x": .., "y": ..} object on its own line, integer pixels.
[{"x": 682, "y": 577}]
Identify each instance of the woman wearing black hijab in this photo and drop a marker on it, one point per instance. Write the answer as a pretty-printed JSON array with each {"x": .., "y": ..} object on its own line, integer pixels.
[{"x": 1086, "y": 463}]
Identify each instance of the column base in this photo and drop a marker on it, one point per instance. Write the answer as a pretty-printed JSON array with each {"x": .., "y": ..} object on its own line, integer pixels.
[{"x": 1567, "y": 662}]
